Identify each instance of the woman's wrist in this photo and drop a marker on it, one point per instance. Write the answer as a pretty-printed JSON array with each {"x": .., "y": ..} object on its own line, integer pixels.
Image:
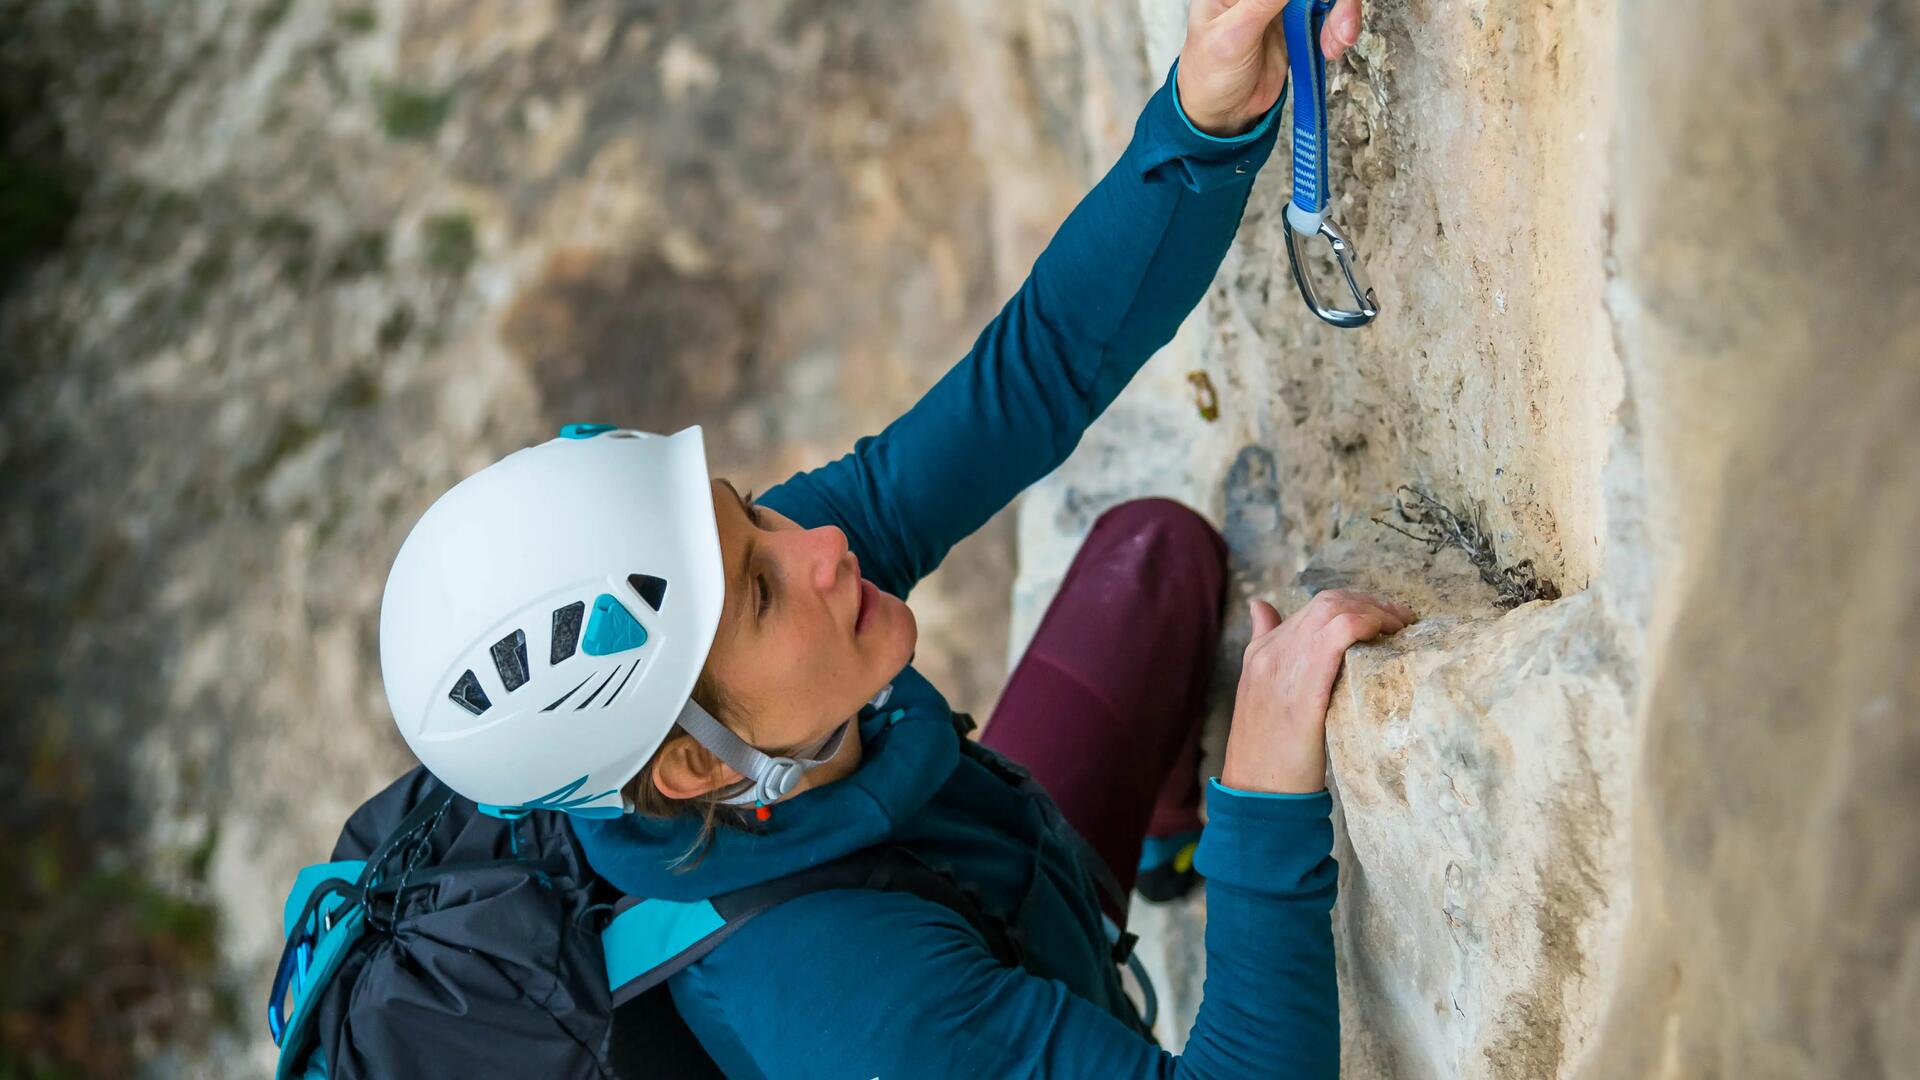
[
  {"x": 1215, "y": 126},
  {"x": 1273, "y": 782},
  {"x": 1276, "y": 760},
  {"x": 1248, "y": 793}
]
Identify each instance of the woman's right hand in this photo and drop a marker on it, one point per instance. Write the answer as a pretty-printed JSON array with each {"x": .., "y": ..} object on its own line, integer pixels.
[
  {"x": 1278, "y": 742},
  {"x": 1234, "y": 62}
]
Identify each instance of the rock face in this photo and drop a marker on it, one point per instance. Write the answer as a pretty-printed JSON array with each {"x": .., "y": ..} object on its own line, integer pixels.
[
  {"x": 1651, "y": 280},
  {"x": 1652, "y": 317}
]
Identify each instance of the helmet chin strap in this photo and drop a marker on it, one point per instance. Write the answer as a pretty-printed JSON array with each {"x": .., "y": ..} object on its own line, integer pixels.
[{"x": 773, "y": 777}]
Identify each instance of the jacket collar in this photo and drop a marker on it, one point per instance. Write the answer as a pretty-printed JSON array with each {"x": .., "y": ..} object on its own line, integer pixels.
[{"x": 909, "y": 751}]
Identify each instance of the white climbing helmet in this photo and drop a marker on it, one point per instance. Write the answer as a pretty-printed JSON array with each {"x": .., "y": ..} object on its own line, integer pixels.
[{"x": 545, "y": 621}]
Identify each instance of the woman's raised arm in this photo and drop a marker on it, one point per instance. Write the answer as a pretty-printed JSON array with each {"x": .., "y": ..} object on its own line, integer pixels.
[{"x": 1111, "y": 288}]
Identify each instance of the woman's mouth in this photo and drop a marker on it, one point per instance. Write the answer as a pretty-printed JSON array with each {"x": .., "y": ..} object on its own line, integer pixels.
[{"x": 869, "y": 596}]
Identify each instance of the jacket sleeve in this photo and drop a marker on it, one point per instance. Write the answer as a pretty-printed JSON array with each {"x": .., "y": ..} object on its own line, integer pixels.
[
  {"x": 842, "y": 984},
  {"x": 1111, "y": 288}
]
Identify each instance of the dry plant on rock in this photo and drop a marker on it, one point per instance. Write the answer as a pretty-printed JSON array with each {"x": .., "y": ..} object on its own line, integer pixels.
[{"x": 1428, "y": 520}]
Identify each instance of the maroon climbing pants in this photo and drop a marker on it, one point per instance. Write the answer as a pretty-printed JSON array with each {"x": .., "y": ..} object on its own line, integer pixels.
[{"x": 1105, "y": 707}]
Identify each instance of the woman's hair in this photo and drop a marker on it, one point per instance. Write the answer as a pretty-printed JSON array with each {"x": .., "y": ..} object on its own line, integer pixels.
[{"x": 711, "y": 807}]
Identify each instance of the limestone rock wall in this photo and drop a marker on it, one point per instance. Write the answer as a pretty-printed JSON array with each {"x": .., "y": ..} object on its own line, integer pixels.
[
  {"x": 1652, "y": 317},
  {"x": 1776, "y": 923}
]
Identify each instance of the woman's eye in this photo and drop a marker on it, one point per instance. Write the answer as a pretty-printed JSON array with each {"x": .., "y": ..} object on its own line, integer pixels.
[{"x": 766, "y": 595}]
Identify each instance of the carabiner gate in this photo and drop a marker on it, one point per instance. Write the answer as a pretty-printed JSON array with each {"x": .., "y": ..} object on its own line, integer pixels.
[
  {"x": 1307, "y": 211},
  {"x": 1365, "y": 305}
]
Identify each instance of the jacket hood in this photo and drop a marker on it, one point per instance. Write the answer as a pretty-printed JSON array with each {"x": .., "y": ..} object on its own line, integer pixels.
[{"x": 909, "y": 751}]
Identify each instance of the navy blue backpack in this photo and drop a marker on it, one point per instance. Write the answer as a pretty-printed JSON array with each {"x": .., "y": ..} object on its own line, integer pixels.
[{"x": 440, "y": 941}]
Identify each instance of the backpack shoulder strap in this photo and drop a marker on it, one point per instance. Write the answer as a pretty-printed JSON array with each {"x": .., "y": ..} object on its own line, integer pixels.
[
  {"x": 650, "y": 941},
  {"x": 1016, "y": 776}
]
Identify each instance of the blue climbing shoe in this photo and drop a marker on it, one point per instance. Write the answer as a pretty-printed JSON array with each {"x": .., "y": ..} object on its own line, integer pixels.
[{"x": 1166, "y": 867}]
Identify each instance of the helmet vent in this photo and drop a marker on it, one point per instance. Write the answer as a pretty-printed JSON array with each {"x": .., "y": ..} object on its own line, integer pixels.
[
  {"x": 467, "y": 694},
  {"x": 651, "y": 589},
  {"x": 623, "y": 684},
  {"x": 566, "y": 631},
  {"x": 510, "y": 660},
  {"x": 597, "y": 689},
  {"x": 568, "y": 694}
]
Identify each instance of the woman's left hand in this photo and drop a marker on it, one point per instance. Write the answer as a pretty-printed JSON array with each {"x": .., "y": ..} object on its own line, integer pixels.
[{"x": 1234, "y": 62}]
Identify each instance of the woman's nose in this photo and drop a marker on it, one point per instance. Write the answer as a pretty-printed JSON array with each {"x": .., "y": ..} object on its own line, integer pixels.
[{"x": 827, "y": 552}]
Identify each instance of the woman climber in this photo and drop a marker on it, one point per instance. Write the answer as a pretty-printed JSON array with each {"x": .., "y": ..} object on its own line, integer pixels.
[{"x": 717, "y": 688}]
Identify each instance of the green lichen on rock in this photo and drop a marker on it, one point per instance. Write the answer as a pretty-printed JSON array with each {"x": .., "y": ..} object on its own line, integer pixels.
[
  {"x": 360, "y": 20},
  {"x": 270, "y": 15},
  {"x": 449, "y": 244},
  {"x": 359, "y": 389},
  {"x": 365, "y": 252},
  {"x": 99, "y": 951},
  {"x": 290, "y": 435},
  {"x": 291, "y": 241},
  {"x": 412, "y": 113},
  {"x": 395, "y": 328}
]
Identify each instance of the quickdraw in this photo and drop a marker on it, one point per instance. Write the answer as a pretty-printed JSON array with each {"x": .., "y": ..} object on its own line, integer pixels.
[{"x": 1307, "y": 212}]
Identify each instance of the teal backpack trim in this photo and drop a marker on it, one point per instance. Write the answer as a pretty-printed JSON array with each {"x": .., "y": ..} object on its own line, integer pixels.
[
  {"x": 331, "y": 927},
  {"x": 334, "y": 907},
  {"x": 653, "y": 932}
]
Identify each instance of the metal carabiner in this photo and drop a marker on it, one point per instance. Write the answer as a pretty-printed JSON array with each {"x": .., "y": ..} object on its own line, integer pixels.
[
  {"x": 1307, "y": 210},
  {"x": 1366, "y": 306}
]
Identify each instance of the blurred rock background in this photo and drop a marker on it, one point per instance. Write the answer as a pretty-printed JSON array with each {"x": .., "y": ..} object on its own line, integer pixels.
[{"x": 277, "y": 273}]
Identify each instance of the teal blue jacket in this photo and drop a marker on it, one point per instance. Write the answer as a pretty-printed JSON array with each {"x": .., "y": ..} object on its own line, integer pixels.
[{"x": 858, "y": 984}]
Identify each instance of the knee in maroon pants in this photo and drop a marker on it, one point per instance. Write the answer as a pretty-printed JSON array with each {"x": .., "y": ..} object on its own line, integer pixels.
[
  {"x": 1105, "y": 706},
  {"x": 1141, "y": 601},
  {"x": 1150, "y": 534}
]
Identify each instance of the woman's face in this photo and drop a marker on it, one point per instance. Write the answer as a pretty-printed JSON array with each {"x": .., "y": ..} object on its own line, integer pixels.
[{"x": 804, "y": 640}]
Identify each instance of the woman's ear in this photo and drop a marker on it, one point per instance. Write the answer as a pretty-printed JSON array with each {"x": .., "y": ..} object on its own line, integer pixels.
[{"x": 686, "y": 770}]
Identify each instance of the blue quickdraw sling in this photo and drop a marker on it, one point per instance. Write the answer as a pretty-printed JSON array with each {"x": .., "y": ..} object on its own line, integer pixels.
[{"x": 1307, "y": 210}]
